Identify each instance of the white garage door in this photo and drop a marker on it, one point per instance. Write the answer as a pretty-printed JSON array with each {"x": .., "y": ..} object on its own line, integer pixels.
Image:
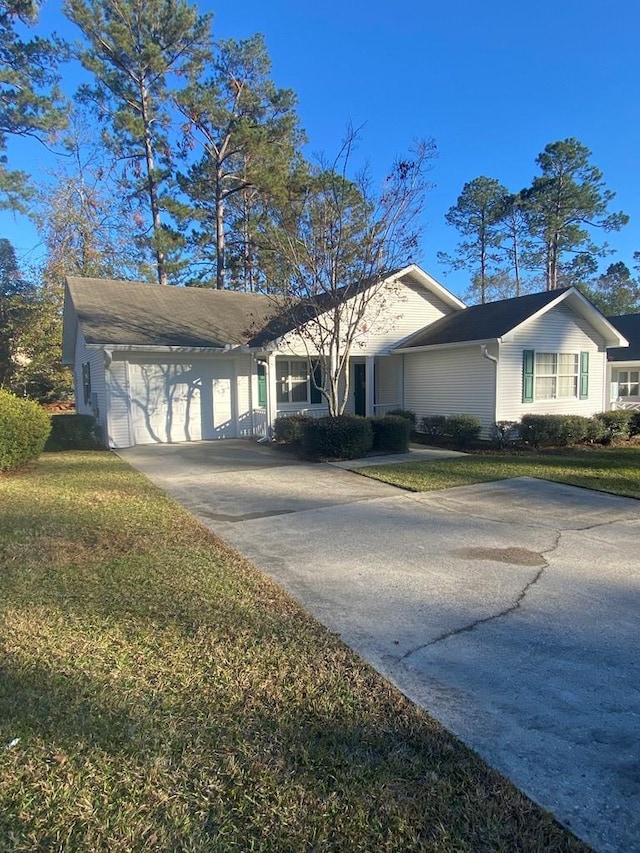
[{"x": 180, "y": 402}]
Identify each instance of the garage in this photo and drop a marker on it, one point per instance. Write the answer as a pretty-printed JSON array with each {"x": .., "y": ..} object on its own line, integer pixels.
[{"x": 172, "y": 402}]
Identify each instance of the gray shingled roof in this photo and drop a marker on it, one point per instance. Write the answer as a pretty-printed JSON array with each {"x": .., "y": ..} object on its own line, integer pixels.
[
  {"x": 629, "y": 327},
  {"x": 137, "y": 314},
  {"x": 482, "y": 322}
]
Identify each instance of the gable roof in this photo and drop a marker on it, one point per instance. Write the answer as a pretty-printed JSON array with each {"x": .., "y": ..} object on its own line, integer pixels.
[
  {"x": 629, "y": 326},
  {"x": 126, "y": 313},
  {"x": 138, "y": 314},
  {"x": 495, "y": 320}
]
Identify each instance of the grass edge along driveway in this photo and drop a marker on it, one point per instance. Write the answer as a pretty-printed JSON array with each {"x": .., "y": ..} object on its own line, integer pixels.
[
  {"x": 612, "y": 470},
  {"x": 158, "y": 693}
]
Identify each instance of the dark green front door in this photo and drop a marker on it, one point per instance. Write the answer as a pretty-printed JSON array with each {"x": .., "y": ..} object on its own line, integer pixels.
[{"x": 359, "y": 389}]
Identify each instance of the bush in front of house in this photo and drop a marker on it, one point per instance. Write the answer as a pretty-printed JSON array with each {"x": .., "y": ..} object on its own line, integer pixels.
[
  {"x": 543, "y": 430},
  {"x": 634, "y": 423},
  {"x": 72, "y": 432},
  {"x": 559, "y": 430},
  {"x": 463, "y": 430},
  {"x": 434, "y": 428},
  {"x": 616, "y": 425},
  {"x": 341, "y": 437},
  {"x": 391, "y": 434},
  {"x": 403, "y": 413},
  {"x": 289, "y": 429},
  {"x": 24, "y": 428}
]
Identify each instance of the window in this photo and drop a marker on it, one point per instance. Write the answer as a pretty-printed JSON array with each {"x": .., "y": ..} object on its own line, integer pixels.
[
  {"x": 629, "y": 383},
  {"x": 86, "y": 383},
  {"x": 554, "y": 375},
  {"x": 294, "y": 383}
]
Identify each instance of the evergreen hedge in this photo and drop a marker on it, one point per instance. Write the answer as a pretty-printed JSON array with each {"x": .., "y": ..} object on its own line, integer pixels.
[
  {"x": 24, "y": 428},
  {"x": 288, "y": 429},
  {"x": 72, "y": 432},
  {"x": 391, "y": 433},
  {"x": 342, "y": 437}
]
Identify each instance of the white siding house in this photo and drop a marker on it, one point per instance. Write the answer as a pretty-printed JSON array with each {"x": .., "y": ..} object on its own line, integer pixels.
[
  {"x": 544, "y": 353},
  {"x": 158, "y": 365}
]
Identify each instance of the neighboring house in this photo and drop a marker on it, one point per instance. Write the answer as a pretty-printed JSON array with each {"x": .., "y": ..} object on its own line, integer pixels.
[
  {"x": 624, "y": 364},
  {"x": 165, "y": 364}
]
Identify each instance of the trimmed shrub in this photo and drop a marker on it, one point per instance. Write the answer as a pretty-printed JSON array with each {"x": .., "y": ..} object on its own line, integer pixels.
[
  {"x": 72, "y": 432},
  {"x": 463, "y": 430},
  {"x": 391, "y": 433},
  {"x": 616, "y": 425},
  {"x": 542, "y": 430},
  {"x": 342, "y": 437},
  {"x": 558, "y": 430},
  {"x": 24, "y": 428},
  {"x": 403, "y": 413},
  {"x": 434, "y": 427},
  {"x": 289, "y": 429}
]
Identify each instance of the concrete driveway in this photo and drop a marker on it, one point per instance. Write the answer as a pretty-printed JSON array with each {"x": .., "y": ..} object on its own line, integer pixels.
[{"x": 510, "y": 610}]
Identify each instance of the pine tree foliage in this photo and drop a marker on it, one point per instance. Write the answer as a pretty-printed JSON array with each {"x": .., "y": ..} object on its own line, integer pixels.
[
  {"x": 31, "y": 103},
  {"x": 137, "y": 51}
]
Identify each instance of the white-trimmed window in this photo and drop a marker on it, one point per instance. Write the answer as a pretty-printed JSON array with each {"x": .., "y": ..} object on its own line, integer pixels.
[
  {"x": 554, "y": 376},
  {"x": 294, "y": 382},
  {"x": 629, "y": 383}
]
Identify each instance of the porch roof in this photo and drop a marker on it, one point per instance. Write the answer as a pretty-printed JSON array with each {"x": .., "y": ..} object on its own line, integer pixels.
[{"x": 629, "y": 326}]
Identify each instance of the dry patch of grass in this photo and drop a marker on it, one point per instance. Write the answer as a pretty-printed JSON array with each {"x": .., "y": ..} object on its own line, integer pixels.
[
  {"x": 614, "y": 470},
  {"x": 158, "y": 693}
]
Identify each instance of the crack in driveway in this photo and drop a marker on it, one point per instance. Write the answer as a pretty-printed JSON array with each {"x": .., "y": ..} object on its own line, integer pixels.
[{"x": 494, "y": 616}]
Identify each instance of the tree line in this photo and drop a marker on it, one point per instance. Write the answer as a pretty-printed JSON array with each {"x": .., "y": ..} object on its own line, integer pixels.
[
  {"x": 182, "y": 162},
  {"x": 544, "y": 236}
]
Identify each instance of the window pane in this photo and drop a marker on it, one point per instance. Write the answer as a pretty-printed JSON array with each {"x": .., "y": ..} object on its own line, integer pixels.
[
  {"x": 623, "y": 376},
  {"x": 567, "y": 386},
  {"x": 298, "y": 371},
  {"x": 546, "y": 363},
  {"x": 634, "y": 389},
  {"x": 282, "y": 380},
  {"x": 634, "y": 376},
  {"x": 623, "y": 389},
  {"x": 545, "y": 388},
  {"x": 567, "y": 362}
]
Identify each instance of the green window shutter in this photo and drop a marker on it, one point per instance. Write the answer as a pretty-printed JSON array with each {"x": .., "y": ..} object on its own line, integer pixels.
[
  {"x": 262, "y": 385},
  {"x": 584, "y": 375},
  {"x": 316, "y": 396},
  {"x": 528, "y": 361}
]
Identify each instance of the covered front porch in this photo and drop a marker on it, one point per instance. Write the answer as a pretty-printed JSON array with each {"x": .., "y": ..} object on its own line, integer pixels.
[{"x": 290, "y": 385}]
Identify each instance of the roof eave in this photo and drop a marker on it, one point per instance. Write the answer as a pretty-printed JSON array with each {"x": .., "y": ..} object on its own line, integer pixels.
[
  {"x": 450, "y": 345},
  {"x": 586, "y": 310},
  {"x": 430, "y": 283}
]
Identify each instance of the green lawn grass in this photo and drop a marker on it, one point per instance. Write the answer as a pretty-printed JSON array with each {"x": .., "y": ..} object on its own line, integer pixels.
[
  {"x": 158, "y": 693},
  {"x": 615, "y": 470}
]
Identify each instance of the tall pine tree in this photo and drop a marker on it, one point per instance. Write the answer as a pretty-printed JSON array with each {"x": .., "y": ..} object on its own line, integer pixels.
[{"x": 137, "y": 51}]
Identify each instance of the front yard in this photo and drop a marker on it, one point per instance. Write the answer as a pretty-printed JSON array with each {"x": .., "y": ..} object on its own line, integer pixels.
[
  {"x": 614, "y": 470},
  {"x": 160, "y": 694}
]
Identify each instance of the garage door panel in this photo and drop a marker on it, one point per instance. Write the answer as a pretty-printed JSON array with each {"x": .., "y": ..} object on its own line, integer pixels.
[{"x": 165, "y": 402}]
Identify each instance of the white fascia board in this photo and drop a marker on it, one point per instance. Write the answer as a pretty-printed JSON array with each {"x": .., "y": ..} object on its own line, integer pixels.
[
  {"x": 630, "y": 363},
  {"x": 453, "y": 345},
  {"x": 170, "y": 350},
  {"x": 586, "y": 310},
  {"x": 430, "y": 283}
]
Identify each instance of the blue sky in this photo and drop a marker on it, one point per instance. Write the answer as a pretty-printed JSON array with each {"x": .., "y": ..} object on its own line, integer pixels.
[{"x": 492, "y": 83}]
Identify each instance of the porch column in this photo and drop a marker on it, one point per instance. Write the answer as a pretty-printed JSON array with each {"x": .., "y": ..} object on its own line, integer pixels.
[
  {"x": 272, "y": 393},
  {"x": 369, "y": 386}
]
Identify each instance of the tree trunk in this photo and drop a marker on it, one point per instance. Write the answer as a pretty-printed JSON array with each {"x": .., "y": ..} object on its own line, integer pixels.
[
  {"x": 220, "y": 246},
  {"x": 152, "y": 187}
]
